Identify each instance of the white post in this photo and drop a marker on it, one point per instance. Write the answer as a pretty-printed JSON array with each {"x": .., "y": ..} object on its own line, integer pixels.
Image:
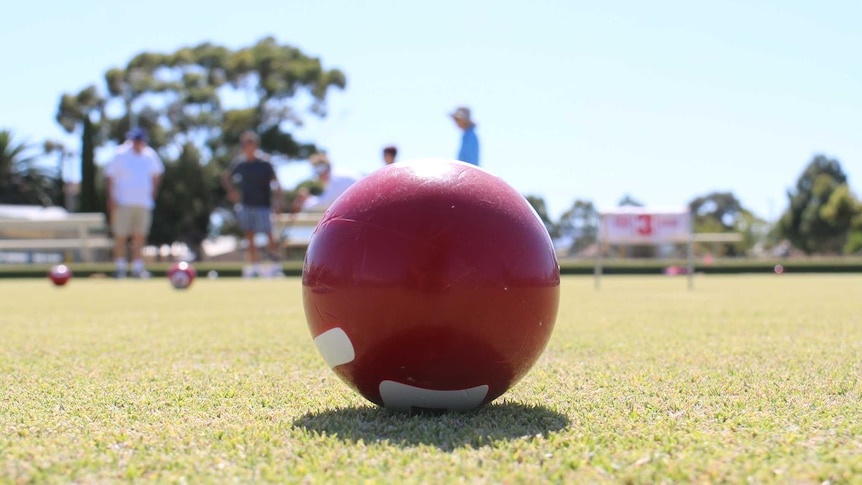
[
  {"x": 597, "y": 271},
  {"x": 690, "y": 247},
  {"x": 690, "y": 265}
]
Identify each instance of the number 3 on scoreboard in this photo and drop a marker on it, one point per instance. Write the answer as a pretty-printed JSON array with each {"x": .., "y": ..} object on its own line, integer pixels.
[{"x": 644, "y": 224}]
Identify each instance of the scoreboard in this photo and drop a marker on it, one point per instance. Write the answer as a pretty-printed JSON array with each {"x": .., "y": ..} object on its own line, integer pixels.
[{"x": 638, "y": 225}]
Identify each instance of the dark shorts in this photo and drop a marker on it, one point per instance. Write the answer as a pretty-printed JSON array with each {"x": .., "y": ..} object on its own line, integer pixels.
[{"x": 254, "y": 219}]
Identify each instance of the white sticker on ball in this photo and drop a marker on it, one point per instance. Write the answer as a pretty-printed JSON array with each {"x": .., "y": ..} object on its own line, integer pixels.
[
  {"x": 335, "y": 347},
  {"x": 398, "y": 396}
]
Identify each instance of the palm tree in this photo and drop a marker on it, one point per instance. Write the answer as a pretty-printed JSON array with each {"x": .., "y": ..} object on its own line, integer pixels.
[{"x": 21, "y": 181}]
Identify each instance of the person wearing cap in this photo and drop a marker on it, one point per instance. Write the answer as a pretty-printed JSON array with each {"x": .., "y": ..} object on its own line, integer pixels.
[
  {"x": 256, "y": 178},
  {"x": 469, "y": 151},
  {"x": 389, "y": 154},
  {"x": 133, "y": 178},
  {"x": 334, "y": 184}
]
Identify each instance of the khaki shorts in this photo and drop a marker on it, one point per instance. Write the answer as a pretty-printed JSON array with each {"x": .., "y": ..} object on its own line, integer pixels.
[{"x": 129, "y": 220}]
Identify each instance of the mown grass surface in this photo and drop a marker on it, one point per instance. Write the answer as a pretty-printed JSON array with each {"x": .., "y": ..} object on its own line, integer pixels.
[{"x": 746, "y": 378}]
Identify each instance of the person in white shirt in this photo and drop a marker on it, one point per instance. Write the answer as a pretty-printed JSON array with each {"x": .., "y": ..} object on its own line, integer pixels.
[
  {"x": 334, "y": 184},
  {"x": 133, "y": 178}
]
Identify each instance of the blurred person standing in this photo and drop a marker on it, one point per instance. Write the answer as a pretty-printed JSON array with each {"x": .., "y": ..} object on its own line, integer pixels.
[
  {"x": 133, "y": 178},
  {"x": 469, "y": 150},
  {"x": 334, "y": 184},
  {"x": 254, "y": 202},
  {"x": 389, "y": 154}
]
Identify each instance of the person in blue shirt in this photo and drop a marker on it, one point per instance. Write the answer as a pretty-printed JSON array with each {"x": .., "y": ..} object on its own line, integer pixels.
[{"x": 469, "y": 151}]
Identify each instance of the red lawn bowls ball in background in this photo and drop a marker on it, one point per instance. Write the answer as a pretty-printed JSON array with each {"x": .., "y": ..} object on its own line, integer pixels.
[
  {"x": 60, "y": 274},
  {"x": 779, "y": 269},
  {"x": 181, "y": 275},
  {"x": 431, "y": 285}
]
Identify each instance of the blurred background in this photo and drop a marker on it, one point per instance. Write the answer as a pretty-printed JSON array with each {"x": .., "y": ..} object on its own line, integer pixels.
[{"x": 744, "y": 112}]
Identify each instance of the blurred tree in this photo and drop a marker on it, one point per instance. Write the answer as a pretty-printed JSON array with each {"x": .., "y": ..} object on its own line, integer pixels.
[
  {"x": 820, "y": 214},
  {"x": 85, "y": 112},
  {"x": 53, "y": 147},
  {"x": 181, "y": 94},
  {"x": 854, "y": 237},
  {"x": 181, "y": 213},
  {"x": 541, "y": 209},
  {"x": 722, "y": 212},
  {"x": 843, "y": 209},
  {"x": 179, "y": 98},
  {"x": 629, "y": 201},
  {"x": 21, "y": 180},
  {"x": 581, "y": 224},
  {"x": 205, "y": 96}
]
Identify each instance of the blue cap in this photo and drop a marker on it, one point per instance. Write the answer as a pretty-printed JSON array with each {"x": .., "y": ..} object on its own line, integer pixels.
[{"x": 138, "y": 134}]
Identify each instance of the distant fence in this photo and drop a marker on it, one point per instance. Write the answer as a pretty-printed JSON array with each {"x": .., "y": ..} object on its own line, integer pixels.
[{"x": 80, "y": 236}]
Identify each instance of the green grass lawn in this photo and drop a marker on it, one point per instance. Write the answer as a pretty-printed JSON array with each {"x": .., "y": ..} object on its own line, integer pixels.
[{"x": 746, "y": 378}]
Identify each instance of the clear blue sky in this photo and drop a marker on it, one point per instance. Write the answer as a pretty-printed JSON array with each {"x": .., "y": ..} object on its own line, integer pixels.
[{"x": 663, "y": 100}]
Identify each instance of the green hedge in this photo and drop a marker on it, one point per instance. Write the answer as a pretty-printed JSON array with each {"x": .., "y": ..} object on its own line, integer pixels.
[
  {"x": 567, "y": 267},
  {"x": 727, "y": 266}
]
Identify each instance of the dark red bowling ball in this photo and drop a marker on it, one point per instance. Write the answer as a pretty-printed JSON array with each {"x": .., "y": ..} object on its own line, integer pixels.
[
  {"x": 431, "y": 284},
  {"x": 181, "y": 275},
  {"x": 60, "y": 274}
]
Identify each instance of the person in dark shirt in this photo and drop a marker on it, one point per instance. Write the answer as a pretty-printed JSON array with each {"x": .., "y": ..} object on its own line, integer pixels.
[{"x": 257, "y": 181}]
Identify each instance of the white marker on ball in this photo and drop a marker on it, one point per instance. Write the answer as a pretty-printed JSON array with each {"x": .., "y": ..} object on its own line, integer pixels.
[
  {"x": 398, "y": 396},
  {"x": 335, "y": 347}
]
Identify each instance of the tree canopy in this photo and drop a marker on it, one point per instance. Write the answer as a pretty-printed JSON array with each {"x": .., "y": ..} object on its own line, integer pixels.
[
  {"x": 719, "y": 212},
  {"x": 629, "y": 201},
  {"x": 194, "y": 103},
  {"x": 209, "y": 94},
  {"x": 823, "y": 213},
  {"x": 538, "y": 204},
  {"x": 580, "y": 223}
]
